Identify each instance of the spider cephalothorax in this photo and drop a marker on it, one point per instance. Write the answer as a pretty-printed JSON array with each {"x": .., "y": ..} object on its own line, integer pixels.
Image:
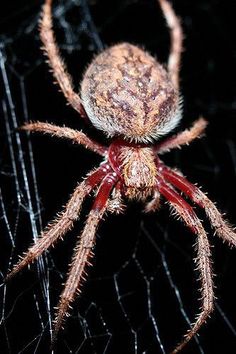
[
  {"x": 127, "y": 94},
  {"x": 136, "y": 167}
]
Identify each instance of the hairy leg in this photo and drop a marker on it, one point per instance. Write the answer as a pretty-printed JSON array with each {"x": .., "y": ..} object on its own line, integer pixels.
[
  {"x": 183, "y": 138},
  {"x": 64, "y": 221},
  {"x": 115, "y": 203},
  {"x": 83, "y": 251},
  {"x": 55, "y": 61},
  {"x": 203, "y": 259},
  {"x": 154, "y": 203},
  {"x": 176, "y": 34},
  {"x": 76, "y": 136},
  {"x": 223, "y": 229}
]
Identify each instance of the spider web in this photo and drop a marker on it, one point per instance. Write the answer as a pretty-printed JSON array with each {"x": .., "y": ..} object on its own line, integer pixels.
[{"x": 141, "y": 295}]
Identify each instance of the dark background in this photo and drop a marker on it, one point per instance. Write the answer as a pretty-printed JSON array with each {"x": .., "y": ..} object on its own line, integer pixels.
[{"x": 143, "y": 263}]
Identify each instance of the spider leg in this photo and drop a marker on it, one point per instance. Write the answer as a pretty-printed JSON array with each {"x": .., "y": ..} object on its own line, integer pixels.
[
  {"x": 223, "y": 229},
  {"x": 176, "y": 34},
  {"x": 115, "y": 203},
  {"x": 55, "y": 61},
  {"x": 63, "y": 223},
  {"x": 183, "y": 138},
  {"x": 83, "y": 251},
  {"x": 203, "y": 259},
  {"x": 76, "y": 136},
  {"x": 154, "y": 203}
]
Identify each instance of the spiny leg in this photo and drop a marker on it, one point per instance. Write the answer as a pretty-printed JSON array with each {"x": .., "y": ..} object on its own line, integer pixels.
[
  {"x": 223, "y": 229},
  {"x": 55, "y": 61},
  {"x": 183, "y": 138},
  {"x": 83, "y": 251},
  {"x": 203, "y": 259},
  {"x": 154, "y": 203},
  {"x": 76, "y": 136},
  {"x": 63, "y": 223},
  {"x": 115, "y": 203},
  {"x": 176, "y": 33}
]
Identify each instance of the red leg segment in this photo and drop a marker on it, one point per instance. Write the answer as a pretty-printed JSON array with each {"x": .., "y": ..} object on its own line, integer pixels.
[
  {"x": 83, "y": 251},
  {"x": 203, "y": 259},
  {"x": 104, "y": 191},
  {"x": 222, "y": 227},
  {"x": 64, "y": 222}
]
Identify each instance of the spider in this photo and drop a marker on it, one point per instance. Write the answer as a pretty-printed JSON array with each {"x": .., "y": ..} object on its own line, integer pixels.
[{"x": 132, "y": 98}]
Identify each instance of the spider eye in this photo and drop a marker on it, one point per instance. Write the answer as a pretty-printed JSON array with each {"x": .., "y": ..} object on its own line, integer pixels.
[{"x": 125, "y": 91}]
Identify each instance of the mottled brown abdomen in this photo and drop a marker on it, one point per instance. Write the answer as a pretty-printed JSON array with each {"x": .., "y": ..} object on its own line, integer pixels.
[{"x": 125, "y": 91}]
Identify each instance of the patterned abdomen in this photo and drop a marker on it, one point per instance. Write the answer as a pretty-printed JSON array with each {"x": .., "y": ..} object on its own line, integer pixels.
[{"x": 125, "y": 91}]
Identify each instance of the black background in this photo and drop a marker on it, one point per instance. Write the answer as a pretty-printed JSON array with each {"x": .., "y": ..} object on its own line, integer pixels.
[{"x": 208, "y": 76}]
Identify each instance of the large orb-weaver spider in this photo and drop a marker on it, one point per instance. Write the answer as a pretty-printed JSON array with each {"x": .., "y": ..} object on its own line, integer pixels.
[{"x": 127, "y": 94}]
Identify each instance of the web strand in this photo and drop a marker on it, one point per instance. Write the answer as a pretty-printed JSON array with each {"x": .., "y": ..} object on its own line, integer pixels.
[{"x": 143, "y": 262}]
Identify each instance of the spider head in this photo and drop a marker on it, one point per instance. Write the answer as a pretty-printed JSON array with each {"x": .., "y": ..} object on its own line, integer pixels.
[{"x": 126, "y": 92}]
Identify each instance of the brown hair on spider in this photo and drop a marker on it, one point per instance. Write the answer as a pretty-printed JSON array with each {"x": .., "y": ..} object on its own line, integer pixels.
[{"x": 126, "y": 92}]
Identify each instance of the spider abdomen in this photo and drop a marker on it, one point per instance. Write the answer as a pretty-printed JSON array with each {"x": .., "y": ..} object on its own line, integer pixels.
[{"x": 125, "y": 91}]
